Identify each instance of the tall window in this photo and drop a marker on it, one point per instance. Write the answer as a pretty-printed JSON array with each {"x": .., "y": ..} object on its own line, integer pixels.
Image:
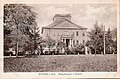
[
  {"x": 76, "y": 33},
  {"x": 77, "y": 42},
  {"x": 83, "y": 41}
]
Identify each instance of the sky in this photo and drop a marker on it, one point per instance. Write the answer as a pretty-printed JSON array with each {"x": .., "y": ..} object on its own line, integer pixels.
[{"x": 84, "y": 15}]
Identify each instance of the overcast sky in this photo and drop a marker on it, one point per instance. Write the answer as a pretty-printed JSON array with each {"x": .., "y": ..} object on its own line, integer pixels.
[{"x": 82, "y": 14}]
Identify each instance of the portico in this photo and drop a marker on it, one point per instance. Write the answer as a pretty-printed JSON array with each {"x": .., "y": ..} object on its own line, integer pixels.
[{"x": 68, "y": 41}]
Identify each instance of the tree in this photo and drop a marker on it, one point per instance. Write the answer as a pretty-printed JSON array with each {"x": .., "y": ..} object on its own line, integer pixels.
[
  {"x": 60, "y": 44},
  {"x": 114, "y": 37},
  {"x": 7, "y": 38},
  {"x": 109, "y": 42},
  {"x": 96, "y": 38},
  {"x": 20, "y": 18},
  {"x": 50, "y": 42},
  {"x": 41, "y": 43},
  {"x": 34, "y": 39}
]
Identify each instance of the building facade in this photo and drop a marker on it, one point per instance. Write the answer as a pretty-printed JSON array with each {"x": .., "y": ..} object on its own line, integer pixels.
[{"x": 63, "y": 29}]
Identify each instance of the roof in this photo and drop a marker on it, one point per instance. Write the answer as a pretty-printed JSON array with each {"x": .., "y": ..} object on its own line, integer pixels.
[
  {"x": 54, "y": 24},
  {"x": 62, "y": 15}
]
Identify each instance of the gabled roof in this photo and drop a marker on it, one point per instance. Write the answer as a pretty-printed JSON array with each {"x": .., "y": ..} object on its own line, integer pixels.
[{"x": 54, "y": 25}]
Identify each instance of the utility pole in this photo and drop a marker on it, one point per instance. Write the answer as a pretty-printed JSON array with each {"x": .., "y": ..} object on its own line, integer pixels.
[{"x": 104, "y": 39}]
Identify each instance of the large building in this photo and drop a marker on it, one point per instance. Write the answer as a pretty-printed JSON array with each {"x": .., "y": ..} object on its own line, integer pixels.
[{"x": 63, "y": 29}]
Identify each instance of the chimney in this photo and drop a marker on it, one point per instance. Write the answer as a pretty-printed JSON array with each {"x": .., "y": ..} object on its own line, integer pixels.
[{"x": 61, "y": 17}]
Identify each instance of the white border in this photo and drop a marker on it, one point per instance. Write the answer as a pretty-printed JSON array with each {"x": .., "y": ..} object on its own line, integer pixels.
[{"x": 31, "y": 75}]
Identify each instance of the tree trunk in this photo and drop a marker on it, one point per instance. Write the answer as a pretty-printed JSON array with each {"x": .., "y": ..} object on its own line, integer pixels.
[
  {"x": 17, "y": 50},
  {"x": 41, "y": 50},
  {"x": 17, "y": 43},
  {"x": 34, "y": 46},
  {"x": 95, "y": 51}
]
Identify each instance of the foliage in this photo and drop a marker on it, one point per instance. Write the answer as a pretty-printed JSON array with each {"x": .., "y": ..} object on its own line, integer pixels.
[
  {"x": 110, "y": 44},
  {"x": 96, "y": 38},
  {"x": 7, "y": 38},
  {"x": 50, "y": 42},
  {"x": 76, "y": 49},
  {"x": 96, "y": 42},
  {"x": 34, "y": 39},
  {"x": 19, "y": 16},
  {"x": 21, "y": 21},
  {"x": 60, "y": 44}
]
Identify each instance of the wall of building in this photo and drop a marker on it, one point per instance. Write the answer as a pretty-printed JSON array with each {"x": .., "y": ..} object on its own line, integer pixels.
[
  {"x": 65, "y": 30},
  {"x": 56, "y": 34}
]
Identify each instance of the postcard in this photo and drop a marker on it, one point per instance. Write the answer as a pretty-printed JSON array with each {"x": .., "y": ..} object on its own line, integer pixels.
[{"x": 60, "y": 39}]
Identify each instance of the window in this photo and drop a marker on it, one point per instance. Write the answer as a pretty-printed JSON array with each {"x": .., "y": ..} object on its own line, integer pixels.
[
  {"x": 83, "y": 34},
  {"x": 77, "y": 42},
  {"x": 63, "y": 40},
  {"x": 76, "y": 33},
  {"x": 83, "y": 41}
]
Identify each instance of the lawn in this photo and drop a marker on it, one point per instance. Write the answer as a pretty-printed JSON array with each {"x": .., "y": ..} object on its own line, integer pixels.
[{"x": 62, "y": 63}]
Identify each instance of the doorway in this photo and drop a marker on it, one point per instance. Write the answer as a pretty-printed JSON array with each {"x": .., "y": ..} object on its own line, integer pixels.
[{"x": 67, "y": 42}]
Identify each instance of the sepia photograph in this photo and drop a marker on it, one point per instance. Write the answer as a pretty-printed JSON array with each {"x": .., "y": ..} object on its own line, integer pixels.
[{"x": 60, "y": 37}]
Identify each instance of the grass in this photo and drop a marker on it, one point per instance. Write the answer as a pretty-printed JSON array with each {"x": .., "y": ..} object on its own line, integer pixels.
[{"x": 62, "y": 63}]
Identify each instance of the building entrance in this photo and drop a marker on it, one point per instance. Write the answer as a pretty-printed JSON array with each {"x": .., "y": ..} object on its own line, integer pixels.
[{"x": 67, "y": 42}]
